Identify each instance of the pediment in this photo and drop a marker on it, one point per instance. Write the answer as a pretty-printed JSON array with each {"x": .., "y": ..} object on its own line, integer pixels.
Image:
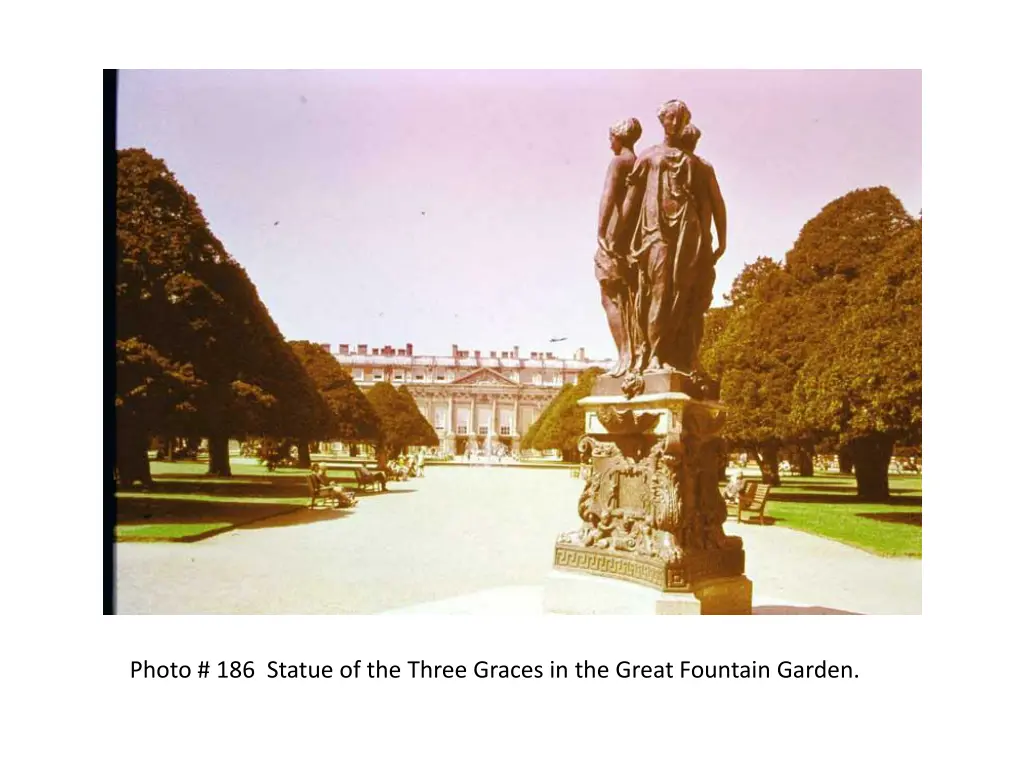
[{"x": 485, "y": 377}]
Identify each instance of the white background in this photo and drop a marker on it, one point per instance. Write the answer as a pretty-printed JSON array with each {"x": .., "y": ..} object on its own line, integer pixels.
[{"x": 939, "y": 687}]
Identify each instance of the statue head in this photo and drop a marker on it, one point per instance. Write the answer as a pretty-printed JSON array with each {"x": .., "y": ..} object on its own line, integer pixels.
[
  {"x": 689, "y": 137},
  {"x": 624, "y": 133},
  {"x": 674, "y": 116}
]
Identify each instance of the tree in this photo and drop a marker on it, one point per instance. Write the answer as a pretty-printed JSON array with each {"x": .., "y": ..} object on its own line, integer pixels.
[
  {"x": 782, "y": 317},
  {"x": 529, "y": 440},
  {"x": 185, "y": 307},
  {"x": 752, "y": 358},
  {"x": 171, "y": 322},
  {"x": 421, "y": 432},
  {"x": 354, "y": 419},
  {"x": 863, "y": 385},
  {"x": 564, "y": 427},
  {"x": 400, "y": 420}
]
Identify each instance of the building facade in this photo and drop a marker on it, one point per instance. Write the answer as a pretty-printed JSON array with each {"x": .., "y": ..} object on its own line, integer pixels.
[{"x": 472, "y": 399}]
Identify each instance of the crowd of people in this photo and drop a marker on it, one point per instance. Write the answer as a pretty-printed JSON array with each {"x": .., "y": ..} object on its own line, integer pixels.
[{"x": 405, "y": 467}]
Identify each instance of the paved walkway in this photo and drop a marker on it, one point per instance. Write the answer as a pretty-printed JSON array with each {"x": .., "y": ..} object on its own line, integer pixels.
[{"x": 470, "y": 539}]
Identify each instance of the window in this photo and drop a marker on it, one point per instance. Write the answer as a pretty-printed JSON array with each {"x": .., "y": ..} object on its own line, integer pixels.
[
  {"x": 439, "y": 419},
  {"x": 483, "y": 429},
  {"x": 462, "y": 429},
  {"x": 506, "y": 430},
  {"x": 378, "y": 375},
  {"x": 441, "y": 377},
  {"x": 398, "y": 376},
  {"x": 418, "y": 377},
  {"x": 357, "y": 374},
  {"x": 538, "y": 378}
]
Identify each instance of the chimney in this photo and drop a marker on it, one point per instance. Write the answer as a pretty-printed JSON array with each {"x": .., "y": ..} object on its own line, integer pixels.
[
  {"x": 515, "y": 352},
  {"x": 551, "y": 355},
  {"x": 343, "y": 349},
  {"x": 376, "y": 350},
  {"x": 325, "y": 347},
  {"x": 408, "y": 349},
  {"x": 493, "y": 353},
  {"x": 455, "y": 350},
  {"x": 582, "y": 355},
  {"x": 476, "y": 353},
  {"x": 362, "y": 349}
]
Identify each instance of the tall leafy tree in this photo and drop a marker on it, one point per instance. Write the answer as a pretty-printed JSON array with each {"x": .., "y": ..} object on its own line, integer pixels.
[
  {"x": 354, "y": 420},
  {"x": 400, "y": 420},
  {"x": 184, "y": 304},
  {"x": 863, "y": 385},
  {"x": 783, "y": 317},
  {"x": 752, "y": 358},
  {"x": 170, "y": 316},
  {"x": 529, "y": 440},
  {"x": 564, "y": 427}
]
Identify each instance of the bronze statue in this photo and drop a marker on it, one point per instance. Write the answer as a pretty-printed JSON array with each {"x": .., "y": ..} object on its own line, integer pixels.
[
  {"x": 651, "y": 511},
  {"x": 610, "y": 263},
  {"x": 671, "y": 201}
]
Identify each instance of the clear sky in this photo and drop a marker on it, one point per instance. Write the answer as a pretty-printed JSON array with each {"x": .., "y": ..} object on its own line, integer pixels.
[{"x": 441, "y": 207}]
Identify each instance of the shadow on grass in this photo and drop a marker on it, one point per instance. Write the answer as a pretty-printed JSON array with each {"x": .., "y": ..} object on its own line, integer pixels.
[
  {"x": 906, "y": 518},
  {"x": 799, "y": 610},
  {"x": 269, "y": 513}
]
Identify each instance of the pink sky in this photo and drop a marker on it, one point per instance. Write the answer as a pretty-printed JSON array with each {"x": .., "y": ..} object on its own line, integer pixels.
[{"x": 440, "y": 207}]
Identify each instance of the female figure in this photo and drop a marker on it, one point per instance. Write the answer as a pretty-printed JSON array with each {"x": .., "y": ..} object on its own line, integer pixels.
[
  {"x": 610, "y": 264},
  {"x": 673, "y": 197}
]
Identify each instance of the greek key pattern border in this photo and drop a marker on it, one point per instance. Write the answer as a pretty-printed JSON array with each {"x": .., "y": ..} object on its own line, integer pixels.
[{"x": 619, "y": 566}]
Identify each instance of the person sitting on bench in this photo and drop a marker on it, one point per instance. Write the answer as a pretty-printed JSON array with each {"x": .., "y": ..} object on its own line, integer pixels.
[{"x": 733, "y": 488}]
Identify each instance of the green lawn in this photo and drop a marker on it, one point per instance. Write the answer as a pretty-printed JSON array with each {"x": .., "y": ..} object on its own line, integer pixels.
[
  {"x": 185, "y": 505},
  {"x": 827, "y": 505},
  {"x": 169, "y": 531}
]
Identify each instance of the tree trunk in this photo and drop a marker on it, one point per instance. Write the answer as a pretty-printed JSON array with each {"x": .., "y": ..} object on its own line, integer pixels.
[
  {"x": 304, "y": 458},
  {"x": 132, "y": 455},
  {"x": 220, "y": 465},
  {"x": 768, "y": 461},
  {"x": 871, "y": 456},
  {"x": 846, "y": 460},
  {"x": 805, "y": 459},
  {"x": 382, "y": 457},
  {"x": 170, "y": 448}
]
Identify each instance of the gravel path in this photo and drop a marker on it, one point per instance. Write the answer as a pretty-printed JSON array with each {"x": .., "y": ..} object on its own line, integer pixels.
[{"x": 464, "y": 540}]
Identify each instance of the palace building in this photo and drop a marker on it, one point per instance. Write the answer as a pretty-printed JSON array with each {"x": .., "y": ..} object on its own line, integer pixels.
[{"x": 473, "y": 399}]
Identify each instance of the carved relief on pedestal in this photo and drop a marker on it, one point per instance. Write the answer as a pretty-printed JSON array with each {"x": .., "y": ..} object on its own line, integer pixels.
[{"x": 653, "y": 496}]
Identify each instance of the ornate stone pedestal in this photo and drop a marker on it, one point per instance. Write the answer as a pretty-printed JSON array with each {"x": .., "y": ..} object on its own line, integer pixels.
[{"x": 651, "y": 510}]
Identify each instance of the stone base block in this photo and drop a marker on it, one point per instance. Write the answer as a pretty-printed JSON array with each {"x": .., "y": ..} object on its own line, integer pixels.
[{"x": 582, "y": 594}]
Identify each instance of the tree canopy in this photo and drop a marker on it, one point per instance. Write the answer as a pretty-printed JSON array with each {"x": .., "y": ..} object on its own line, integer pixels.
[
  {"x": 827, "y": 345},
  {"x": 197, "y": 352},
  {"x": 354, "y": 420},
  {"x": 400, "y": 420},
  {"x": 563, "y": 419}
]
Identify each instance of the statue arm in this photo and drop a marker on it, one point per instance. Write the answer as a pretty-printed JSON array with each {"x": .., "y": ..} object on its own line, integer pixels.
[
  {"x": 614, "y": 184},
  {"x": 631, "y": 205},
  {"x": 717, "y": 211}
]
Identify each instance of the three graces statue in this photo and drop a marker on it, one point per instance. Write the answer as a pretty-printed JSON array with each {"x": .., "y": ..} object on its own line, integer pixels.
[{"x": 655, "y": 260}]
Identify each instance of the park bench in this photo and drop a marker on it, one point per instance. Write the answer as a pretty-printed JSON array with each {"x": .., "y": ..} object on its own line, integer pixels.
[
  {"x": 752, "y": 499},
  {"x": 366, "y": 477},
  {"x": 317, "y": 490},
  {"x": 361, "y": 476}
]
